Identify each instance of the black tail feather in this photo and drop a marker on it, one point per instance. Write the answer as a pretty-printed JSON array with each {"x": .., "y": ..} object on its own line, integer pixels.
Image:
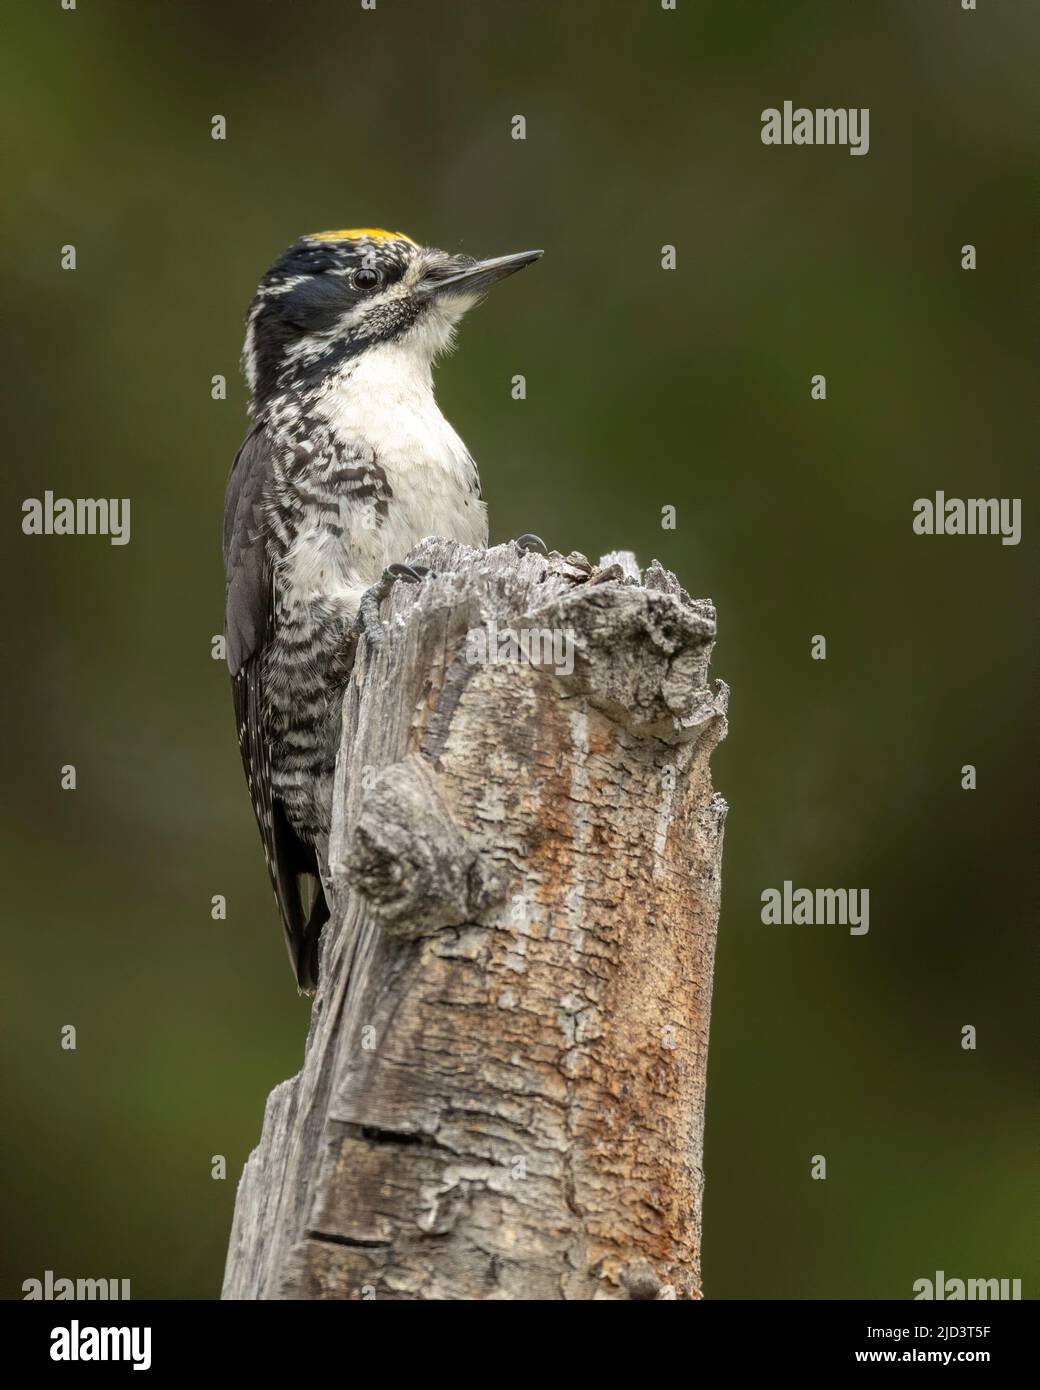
[
  {"x": 305, "y": 959},
  {"x": 301, "y": 897}
]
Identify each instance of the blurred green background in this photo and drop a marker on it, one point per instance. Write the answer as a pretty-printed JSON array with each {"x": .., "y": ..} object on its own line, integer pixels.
[{"x": 645, "y": 388}]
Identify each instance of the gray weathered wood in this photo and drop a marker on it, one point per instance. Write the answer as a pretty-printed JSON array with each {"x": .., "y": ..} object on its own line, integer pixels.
[{"x": 503, "y": 1089}]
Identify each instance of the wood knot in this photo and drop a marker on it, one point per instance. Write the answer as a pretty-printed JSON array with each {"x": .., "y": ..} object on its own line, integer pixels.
[{"x": 410, "y": 860}]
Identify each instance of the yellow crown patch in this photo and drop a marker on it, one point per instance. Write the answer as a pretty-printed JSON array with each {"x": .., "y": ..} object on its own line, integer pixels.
[{"x": 356, "y": 233}]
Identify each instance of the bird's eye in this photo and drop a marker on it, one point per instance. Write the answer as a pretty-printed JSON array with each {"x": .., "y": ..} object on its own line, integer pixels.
[{"x": 366, "y": 278}]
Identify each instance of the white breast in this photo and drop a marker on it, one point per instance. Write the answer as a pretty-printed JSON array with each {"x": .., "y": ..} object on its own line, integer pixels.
[{"x": 384, "y": 398}]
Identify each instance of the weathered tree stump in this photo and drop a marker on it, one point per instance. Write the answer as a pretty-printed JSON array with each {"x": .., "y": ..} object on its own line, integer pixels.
[{"x": 503, "y": 1090}]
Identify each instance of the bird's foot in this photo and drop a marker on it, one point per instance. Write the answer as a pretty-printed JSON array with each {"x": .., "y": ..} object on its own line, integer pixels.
[
  {"x": 529, "y": 541},
  {"x": 367, "y": 621}
]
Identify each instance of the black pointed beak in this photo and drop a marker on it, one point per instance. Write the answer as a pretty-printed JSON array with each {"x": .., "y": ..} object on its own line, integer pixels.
[{"x": 478, "y": 276}]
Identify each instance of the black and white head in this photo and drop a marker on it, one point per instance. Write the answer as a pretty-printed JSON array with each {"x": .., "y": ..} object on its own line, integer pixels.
[{"x": 334, "y": 295}]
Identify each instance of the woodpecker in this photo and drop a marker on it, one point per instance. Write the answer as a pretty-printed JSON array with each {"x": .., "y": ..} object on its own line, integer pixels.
[{"x": 348, "y": 464}]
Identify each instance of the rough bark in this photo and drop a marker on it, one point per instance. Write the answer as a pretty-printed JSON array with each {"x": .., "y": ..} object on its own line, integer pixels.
[{"x": 503, "y": 1090}]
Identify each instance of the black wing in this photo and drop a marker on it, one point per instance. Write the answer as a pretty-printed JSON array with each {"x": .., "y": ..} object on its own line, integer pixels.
[{"x": 248, "y": 627}]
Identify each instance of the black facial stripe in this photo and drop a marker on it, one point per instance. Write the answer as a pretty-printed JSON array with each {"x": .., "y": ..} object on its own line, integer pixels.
[
  {"x": 384, "y": 326},
  {"x": 316, "y": 305}
]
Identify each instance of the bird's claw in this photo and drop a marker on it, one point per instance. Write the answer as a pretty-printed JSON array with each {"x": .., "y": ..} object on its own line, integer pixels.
[
  {"x": 529, "y": 541},
  {"x": 411, "y": 574},
  {"x": 367, "y": 620}
]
